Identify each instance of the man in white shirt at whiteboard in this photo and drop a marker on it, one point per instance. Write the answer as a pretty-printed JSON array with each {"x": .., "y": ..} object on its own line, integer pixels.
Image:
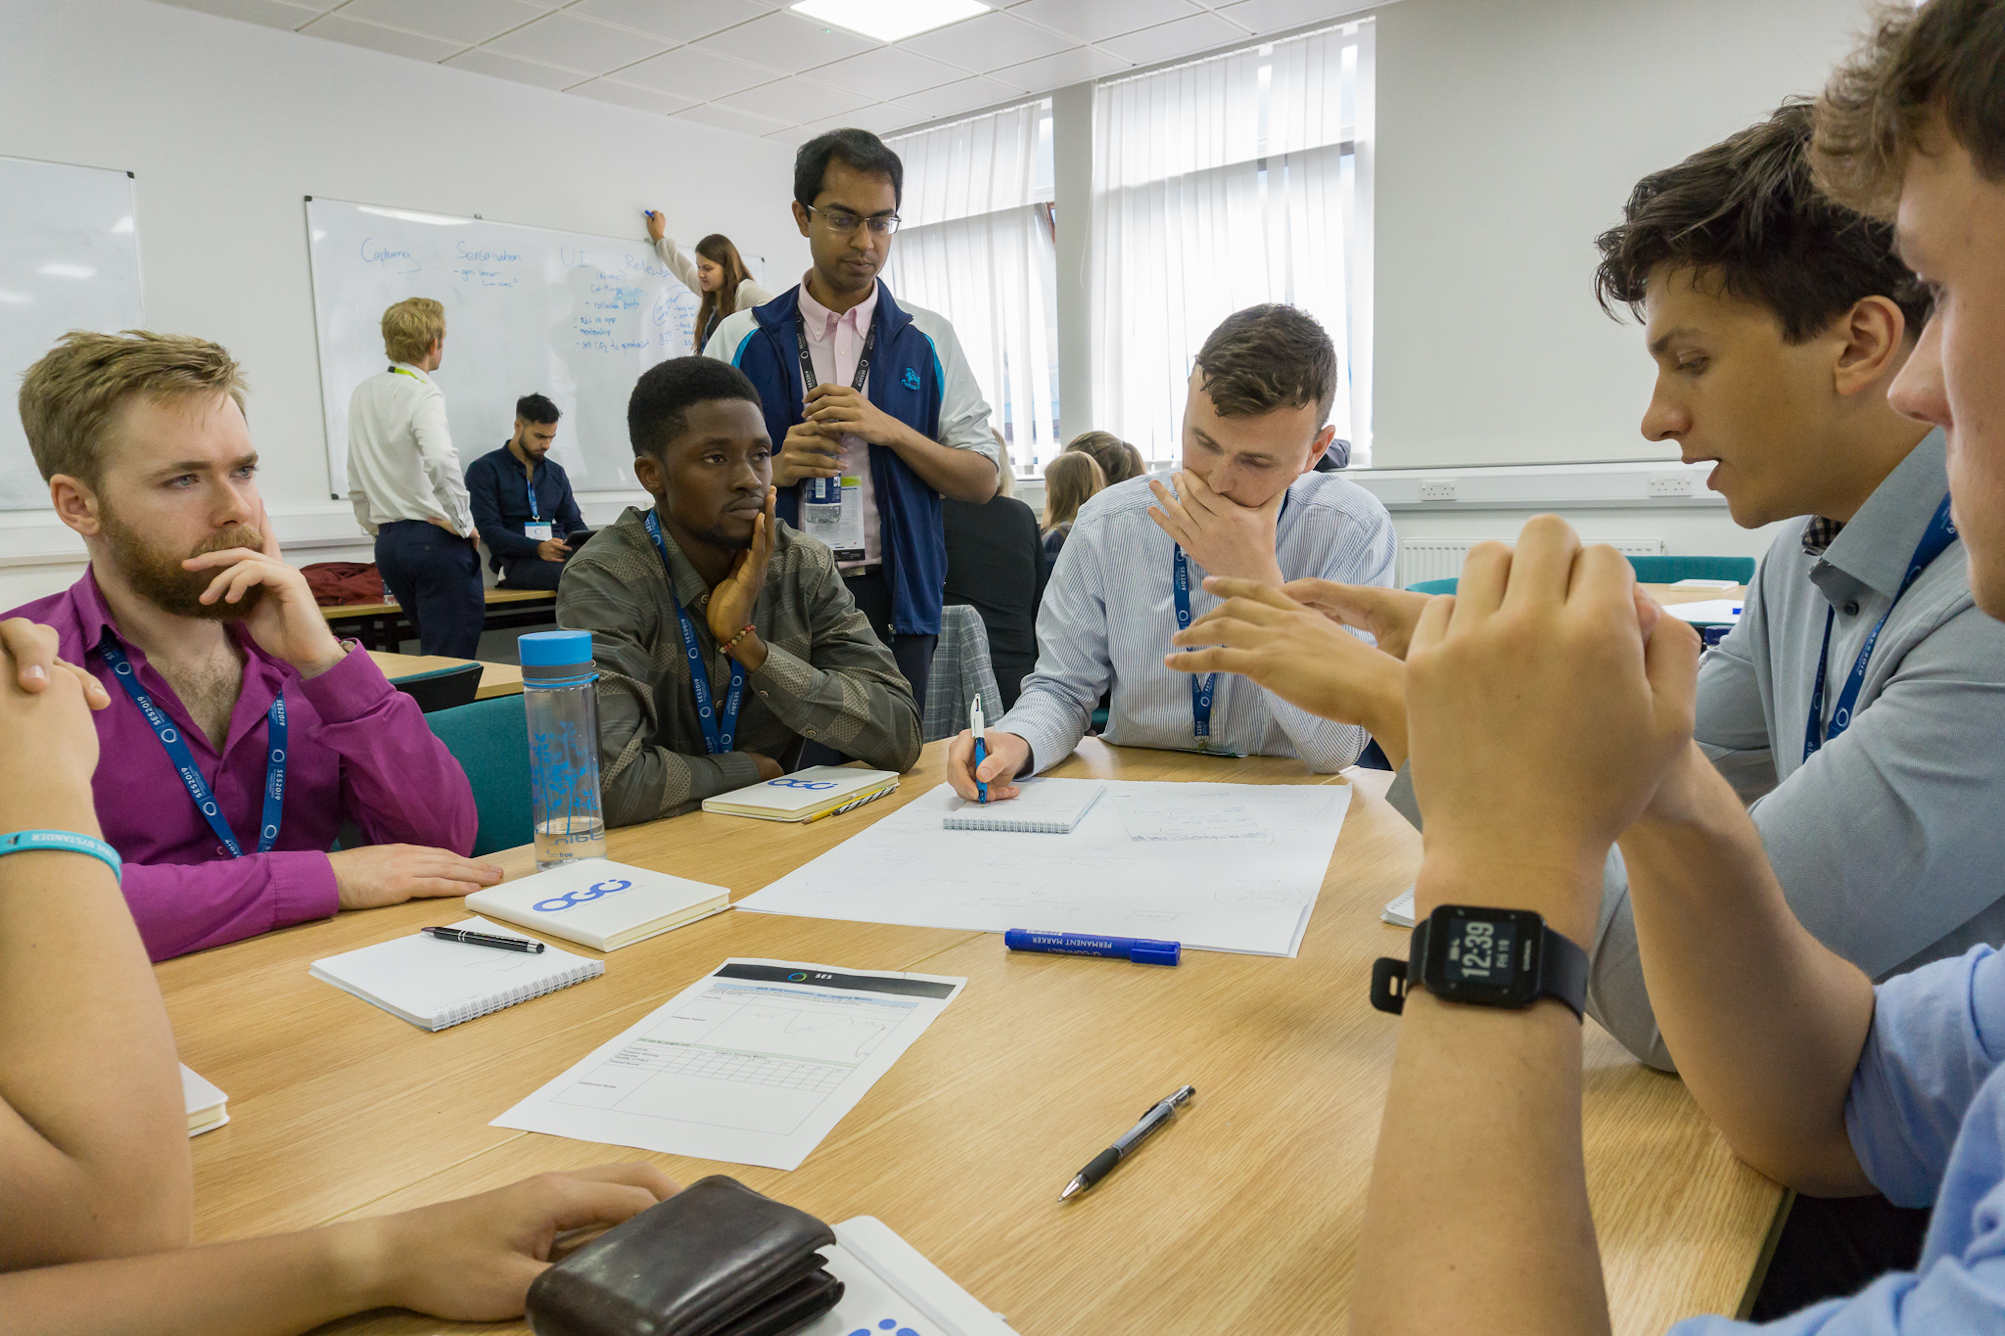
[{"x": 405, "y": 481}]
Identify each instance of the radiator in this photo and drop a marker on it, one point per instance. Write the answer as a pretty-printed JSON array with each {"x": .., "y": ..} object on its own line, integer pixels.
[{"x": 1441, "y": 558}]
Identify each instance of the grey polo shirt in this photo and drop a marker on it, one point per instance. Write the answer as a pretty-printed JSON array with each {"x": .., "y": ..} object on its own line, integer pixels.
[{"x": 1889, "y": 839}]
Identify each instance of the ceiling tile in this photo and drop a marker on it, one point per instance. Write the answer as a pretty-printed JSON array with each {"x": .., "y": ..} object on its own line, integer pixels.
[
  {"x": 356, "y": 33},
  {"x": 1185, "y": 37},
  {"x": 578, "y": 44},
  {"x": 270, "y": 13},
  {"x": 791, "y": 97},
  {"x": 1093, "y": 20},
  {"x": 726, "y": 119},
  {"x": 676, "y": 20},
  {"x": 888, "y": 72},
  {"x": 1268, "y": 16},
  {"x": 464, "y": 21},
  {"x": 878, "y": 119},
  {"x": 508, "y": 67},
  {"x": 692, "y": 72},
  {"x": 987, "y": 42},
  {"x": 627, "y": 95},
  {"x": 951, "y": 100},
  {"x": 1062, "y": 70},
  {"x": 787, "y": 42}
]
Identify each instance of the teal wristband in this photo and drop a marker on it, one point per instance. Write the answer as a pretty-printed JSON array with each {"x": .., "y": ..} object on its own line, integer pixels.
[{"x": 61, "y": 842}]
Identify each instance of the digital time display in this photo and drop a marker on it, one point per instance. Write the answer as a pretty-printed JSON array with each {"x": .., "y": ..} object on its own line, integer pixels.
[{"x": 1481, "y": 951}]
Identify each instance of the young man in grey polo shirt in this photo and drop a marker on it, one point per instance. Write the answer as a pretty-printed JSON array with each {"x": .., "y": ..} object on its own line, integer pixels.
[{"x": 1777, "y": 320}]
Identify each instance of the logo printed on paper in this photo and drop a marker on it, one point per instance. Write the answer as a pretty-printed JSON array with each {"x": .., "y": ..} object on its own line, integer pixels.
[
  {"x": 787, "y": 782},
  {"x": 572, "y": 899}
]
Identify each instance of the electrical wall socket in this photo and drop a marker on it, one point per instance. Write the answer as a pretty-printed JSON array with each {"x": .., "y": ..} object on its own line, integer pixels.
[
  {"x": 1443, "y": 490},
  {"x": 1671, "y": 484}
]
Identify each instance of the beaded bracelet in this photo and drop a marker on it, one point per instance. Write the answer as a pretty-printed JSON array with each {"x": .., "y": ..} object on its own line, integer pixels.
[
  {"x": 732, "y": 643},
  {"x": 62, "y": 842}
]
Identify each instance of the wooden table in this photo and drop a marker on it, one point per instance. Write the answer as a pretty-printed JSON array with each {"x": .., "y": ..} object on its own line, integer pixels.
[
  {"x": 496, "y": 679},
  {"x": 1674, "y": 593},
  {"x": 385, "y": 626},
  {"x": 1243, "y": 1217}
]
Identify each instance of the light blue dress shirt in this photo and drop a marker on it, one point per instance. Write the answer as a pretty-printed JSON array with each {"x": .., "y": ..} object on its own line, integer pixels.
[
  {"x": 1109, "y": 612},
  {"x": 1926, "y": 1116}
]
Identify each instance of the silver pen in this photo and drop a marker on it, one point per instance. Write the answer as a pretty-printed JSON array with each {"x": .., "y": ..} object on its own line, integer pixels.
[{"x": 1103, "y": 1164}]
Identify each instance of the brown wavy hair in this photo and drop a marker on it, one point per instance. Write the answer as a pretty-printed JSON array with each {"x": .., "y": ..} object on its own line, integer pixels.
[
  {"x": 717, "y": 249},
  {"x": 1069, "y": 481}
]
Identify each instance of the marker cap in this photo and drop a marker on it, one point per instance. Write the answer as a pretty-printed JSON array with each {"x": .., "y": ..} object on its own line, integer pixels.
[{"x": 1144, "y": 952}]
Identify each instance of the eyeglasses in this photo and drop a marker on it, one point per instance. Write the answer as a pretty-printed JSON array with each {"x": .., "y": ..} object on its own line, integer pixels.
[{"x": 842, "y": 222}]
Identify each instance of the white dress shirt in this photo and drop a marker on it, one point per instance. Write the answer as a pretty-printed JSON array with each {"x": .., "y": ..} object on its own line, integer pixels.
[
  {"x": 401, "y": 460},
  {"x": 835, "y": 346}
]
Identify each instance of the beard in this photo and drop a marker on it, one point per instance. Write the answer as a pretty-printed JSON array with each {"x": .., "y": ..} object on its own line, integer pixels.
[{"x": 158, "y": 577}]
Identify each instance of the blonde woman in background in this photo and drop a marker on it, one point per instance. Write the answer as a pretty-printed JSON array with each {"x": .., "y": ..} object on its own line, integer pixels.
[
  {"x": 717, "y": 275},
  {"x": 1068, "y": 481}
]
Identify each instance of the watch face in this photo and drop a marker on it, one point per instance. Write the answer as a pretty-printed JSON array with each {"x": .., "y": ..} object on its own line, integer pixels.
[{"x": 1487, "y": 956}]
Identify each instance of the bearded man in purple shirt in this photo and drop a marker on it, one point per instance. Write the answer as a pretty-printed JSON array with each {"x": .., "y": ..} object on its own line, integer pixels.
[{"x": 239, "y": 734}]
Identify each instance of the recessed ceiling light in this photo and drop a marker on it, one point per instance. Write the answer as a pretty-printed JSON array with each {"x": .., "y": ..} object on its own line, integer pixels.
[{"x": 889, "y": 20}]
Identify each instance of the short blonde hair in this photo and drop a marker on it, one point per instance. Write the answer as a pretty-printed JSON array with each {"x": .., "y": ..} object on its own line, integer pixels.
[
  {"x": 70, "y": 397},
  {"x": 411, "y": 327}
]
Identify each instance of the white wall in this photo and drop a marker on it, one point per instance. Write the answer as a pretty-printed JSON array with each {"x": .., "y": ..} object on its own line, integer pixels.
[{"x": 229, "y": 125}]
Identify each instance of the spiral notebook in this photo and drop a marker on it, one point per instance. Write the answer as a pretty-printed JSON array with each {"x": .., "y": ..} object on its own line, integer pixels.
[
  {"x": 1041, "y": 807},
  {"x": 434, "y": 983}
]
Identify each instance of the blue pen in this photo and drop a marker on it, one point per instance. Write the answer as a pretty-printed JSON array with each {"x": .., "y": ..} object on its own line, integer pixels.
[
  {"x": 1140, "y": 950},
  {"x": 980, "y": 729}
]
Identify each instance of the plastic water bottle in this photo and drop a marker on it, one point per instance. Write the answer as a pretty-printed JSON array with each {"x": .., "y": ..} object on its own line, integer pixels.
[{"x": 563, "y": 711}]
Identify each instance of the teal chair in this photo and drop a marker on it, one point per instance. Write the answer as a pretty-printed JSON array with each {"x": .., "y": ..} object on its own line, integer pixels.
[
  {"x": 1446, "y": 586},
  {"x": 490, "y": 740},
  {"x": 1670, "y": 570}
]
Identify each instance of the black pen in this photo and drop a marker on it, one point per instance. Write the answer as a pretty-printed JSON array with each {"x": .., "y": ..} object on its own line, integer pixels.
[
  {"x": 484, "y": 939},
  {"x": 1103, "y": 1164}
]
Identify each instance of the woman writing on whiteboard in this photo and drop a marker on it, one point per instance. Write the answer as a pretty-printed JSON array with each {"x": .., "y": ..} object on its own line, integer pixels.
[{"x": 717, "y": 275}]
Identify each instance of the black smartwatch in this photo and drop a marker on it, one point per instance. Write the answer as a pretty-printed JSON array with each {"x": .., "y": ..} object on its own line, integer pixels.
[{"x": 1484, "y": 957}]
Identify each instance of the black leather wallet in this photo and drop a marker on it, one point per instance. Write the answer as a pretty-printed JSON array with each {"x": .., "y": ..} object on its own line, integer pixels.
[{"x": 716, "y": 1259}]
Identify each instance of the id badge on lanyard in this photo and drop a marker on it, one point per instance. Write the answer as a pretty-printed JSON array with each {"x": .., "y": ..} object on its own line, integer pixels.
[
  {"x": 538, "y": 529},
  {"x": 832, "y": 508}
]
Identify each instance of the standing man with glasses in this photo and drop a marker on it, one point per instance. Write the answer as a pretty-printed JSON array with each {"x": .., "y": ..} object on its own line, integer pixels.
[{"x": 874, "y": 403}]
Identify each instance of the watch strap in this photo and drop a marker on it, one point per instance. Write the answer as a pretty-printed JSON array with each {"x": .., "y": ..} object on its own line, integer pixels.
[{"x": 1563, "y": 968}]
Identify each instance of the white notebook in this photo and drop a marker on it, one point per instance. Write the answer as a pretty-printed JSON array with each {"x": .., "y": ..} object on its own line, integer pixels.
[
  {"x": 820, "y": 790},
  {"x": 1399, "y": 910},
  {"x": 434, "y": 983},
  {"x": 599, "y": 903},
  {"x": 1041, "y": 807},
  {"x": 208, "y": 1107},
  {"x": 889, "y": 1287}
]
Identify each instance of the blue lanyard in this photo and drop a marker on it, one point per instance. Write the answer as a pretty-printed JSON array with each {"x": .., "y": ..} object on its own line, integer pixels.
[
  {"x": 535, "y": 512},
  {"x": 1200, "y": 687},
  {"x": 1941, "y": 533},
  {"x": 184, "y": 760},
  {"x": 717, "y": 731}
]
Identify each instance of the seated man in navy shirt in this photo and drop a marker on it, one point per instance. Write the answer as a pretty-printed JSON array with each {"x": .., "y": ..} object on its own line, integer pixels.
[{"x": 522, "y": 502}]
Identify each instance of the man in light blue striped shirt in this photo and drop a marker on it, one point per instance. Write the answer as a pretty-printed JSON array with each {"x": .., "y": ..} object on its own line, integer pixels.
[{"x": 1248, "y": 504}]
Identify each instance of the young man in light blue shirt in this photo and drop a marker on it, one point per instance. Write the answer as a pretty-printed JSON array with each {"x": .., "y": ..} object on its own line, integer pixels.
[
  {"x": 1816, "y": 1077},
  {"x": 1247, "y": 504}
]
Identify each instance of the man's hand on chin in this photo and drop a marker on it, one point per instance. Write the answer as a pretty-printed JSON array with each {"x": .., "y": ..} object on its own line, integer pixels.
[{"x": 1220, "y": 535}]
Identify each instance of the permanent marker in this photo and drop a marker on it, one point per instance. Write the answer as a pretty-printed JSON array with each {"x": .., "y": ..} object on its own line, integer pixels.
[
  {"x": 1140, "y": 950},
  {"x": 484, "y": 939},
  {"x": 1103, "y": 1164}
]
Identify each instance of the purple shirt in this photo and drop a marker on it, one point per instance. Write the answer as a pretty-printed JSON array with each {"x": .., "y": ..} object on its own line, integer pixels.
[{"x": 357, "y": 749}]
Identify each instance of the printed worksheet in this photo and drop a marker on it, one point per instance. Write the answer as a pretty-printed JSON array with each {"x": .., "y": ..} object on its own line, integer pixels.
[{"x": 754, "y": 1064}]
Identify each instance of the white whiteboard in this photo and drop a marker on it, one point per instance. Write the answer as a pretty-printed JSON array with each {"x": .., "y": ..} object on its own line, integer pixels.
[
  {"x": 69, "y": 259},
  {"x": 528, "y": 311}
]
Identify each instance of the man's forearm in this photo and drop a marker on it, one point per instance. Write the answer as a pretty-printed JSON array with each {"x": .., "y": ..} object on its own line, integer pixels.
[
  {"x": 959, "y": 475},
  {"x": 1765, "y": 1023},
  {"x": 1478, "y": 1214}
]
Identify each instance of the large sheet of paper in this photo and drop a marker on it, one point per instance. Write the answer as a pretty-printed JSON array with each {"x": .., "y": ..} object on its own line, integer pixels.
[
  {"x": 754, "y": 1064},
  {"x": 1219, "y": 867}
]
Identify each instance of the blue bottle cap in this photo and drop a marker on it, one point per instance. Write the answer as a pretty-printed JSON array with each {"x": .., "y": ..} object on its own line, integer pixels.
[
  {"x": 1143, "y": 952},
  {"x": 555, "y": 649}
]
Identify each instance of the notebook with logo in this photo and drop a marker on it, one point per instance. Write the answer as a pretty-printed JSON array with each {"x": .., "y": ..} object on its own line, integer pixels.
[
  {"x": 821, "y": 790},
  {"x": 599, "y": 903}
]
